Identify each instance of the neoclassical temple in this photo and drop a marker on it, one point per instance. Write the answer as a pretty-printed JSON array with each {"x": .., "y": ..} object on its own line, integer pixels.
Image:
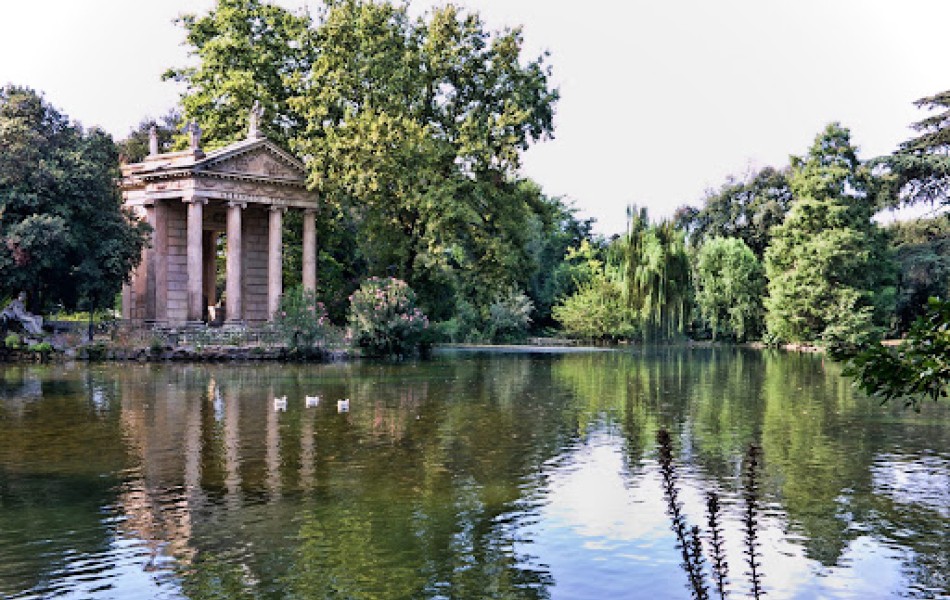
[{"x": 190, "y": 199}]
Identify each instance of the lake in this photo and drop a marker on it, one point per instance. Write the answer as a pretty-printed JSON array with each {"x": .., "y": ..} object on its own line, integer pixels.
[{"x": 473, "y": 475}]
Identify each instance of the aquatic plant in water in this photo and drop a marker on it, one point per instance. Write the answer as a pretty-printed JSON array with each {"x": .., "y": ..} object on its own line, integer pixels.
[{"x": 689, "y": 538}]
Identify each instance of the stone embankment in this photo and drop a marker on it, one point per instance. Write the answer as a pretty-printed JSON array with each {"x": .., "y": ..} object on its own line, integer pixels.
[
  {"x": 203, "y": 354},
  {"x": 103, "y": 351}
]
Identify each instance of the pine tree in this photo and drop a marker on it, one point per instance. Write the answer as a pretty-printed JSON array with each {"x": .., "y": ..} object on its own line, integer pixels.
[{"x": 829, "y": 274}]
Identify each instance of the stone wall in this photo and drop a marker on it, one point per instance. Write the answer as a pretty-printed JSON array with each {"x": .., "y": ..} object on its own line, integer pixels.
[
  {"x": 177, "y": 262},
  {"x": 255, "y": 264}
]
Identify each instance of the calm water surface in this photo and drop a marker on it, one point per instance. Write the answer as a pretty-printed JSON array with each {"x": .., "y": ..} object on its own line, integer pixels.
[{"x": 471, "y": 476}]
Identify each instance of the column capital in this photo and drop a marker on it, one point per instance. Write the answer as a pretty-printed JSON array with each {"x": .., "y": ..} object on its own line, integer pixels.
[
  {"x": 192, "y": 199},
  {"x": 237, "y": 204},
  {"x": 278, "y": 208},
  {"x": 310, "y": 211}
]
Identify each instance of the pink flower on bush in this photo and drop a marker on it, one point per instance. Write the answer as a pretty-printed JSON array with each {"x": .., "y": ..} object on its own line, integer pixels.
[{"x": 384, "y": 318}]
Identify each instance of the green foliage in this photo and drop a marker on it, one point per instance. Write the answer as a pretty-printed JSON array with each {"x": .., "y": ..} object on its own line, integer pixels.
[
  {"x": 248, "y": 51},
  {"x": 730, "y": 283},
  {"x": 42, "y": 348},
  {"x": 580, "y": 266},
  {"x": 384, "y": 319},
  {"x": 302, "y": 321},
  {"x": 918, "y": 368},
  {"x": 654, "y": 272},
  {"x": 745, "y": 209},
  {"x": 557, "y": 231},
  {"x": 135, "y": 147},
  {"x": 509, "y": 317},
  {"x": 12, "y": 341},
  {"x": 413, "y": 130},
  {"x": 922, "y": 248},
  {"x": 919, "y": 171},
  {"x": 597, "y": 312},
  {"x": 643, "y": 285},
  {"x": 830, "y": 277},
  {"x": 65, "y": 237},
  {"x": 466, "y": 325}
]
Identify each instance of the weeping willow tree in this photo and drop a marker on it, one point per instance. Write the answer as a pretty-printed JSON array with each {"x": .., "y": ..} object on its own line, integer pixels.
[{"x": 654, "y": 272}]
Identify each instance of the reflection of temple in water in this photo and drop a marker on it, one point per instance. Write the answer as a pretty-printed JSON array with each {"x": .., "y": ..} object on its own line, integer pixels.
[
  {"x": 208, "y": 441},
  {"x": 195, "y": 449}
]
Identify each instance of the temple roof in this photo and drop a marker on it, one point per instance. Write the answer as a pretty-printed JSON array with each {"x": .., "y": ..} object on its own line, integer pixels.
[
  {"x": 252, "y": 171},
  {"x": 250, "y": 160}
]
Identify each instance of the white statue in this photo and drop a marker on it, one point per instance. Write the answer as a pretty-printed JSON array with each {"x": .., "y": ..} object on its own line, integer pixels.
[
  {"x": 254, "y": 121},
  {"x": 194, "y": 134},
  {"x": 16, "y": 311}
]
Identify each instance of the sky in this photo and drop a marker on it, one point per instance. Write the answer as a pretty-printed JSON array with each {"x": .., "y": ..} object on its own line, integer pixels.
[{"x": 660, "y": 100}]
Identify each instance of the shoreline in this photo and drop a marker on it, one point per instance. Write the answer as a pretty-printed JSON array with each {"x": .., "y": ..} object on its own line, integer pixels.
[{"x": 104, "y": 351}]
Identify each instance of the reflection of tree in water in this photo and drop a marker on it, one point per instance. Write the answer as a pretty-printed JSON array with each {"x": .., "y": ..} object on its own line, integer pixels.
[
  {"x": 361, "y": 550},
  {"x": 434, "y": 466},
  {"x": 59, "y": 467},
  {"x": 725, "y": 408},
  {"x": 712, "y": 396},
  {"x": 808, "y": 457},
  {"x": 414, "y": 493},
  {"x": 819, "y": 440}
]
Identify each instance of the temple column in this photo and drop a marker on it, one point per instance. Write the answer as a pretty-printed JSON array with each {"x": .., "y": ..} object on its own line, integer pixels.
[
  {"x": 310, "y": 250},
  {"x": 150, "y": 293},
  {"x": 138, "y": 289},
  {"x": 127, "y": 301},
  {"x": 211, "y": 270},
  {"x": 274, "y": 260},
  {"x": 195, "y": 258},
  {"x": 160, "y": 260},
  {"x": 234, "y": 287}
]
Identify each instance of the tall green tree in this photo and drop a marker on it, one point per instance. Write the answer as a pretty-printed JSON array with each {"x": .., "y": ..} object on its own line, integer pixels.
[
  {"x": 919, "y": 171},
  {"x": 64, "y": 237},
  {"x": 555, "y": 230},
  {"x": 247, "y": 51},
  {"x": 922, "y": 248},
  {"x": 412, "y": 129},
  {"x": 654, "y": 272},
  {"x": 416, "y": 128},
  {"x": 746, "y": 209},
  {"x": 730, "y": 285},
  {"x": 830, "y": 276}
]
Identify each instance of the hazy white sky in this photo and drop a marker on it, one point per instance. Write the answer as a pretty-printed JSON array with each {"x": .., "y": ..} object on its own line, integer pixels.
[{"x": 659, "y": 99}]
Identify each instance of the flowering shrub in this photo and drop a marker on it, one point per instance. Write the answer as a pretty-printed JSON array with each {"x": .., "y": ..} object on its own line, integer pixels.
[
  {"x": 384, "y": 320},
  {"x": 509, "y": 317},
  {"x": 301, "y": 320}
]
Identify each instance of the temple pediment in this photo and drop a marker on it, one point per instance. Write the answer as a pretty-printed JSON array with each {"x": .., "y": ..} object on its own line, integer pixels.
[{"x": 254, "y": 158}]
